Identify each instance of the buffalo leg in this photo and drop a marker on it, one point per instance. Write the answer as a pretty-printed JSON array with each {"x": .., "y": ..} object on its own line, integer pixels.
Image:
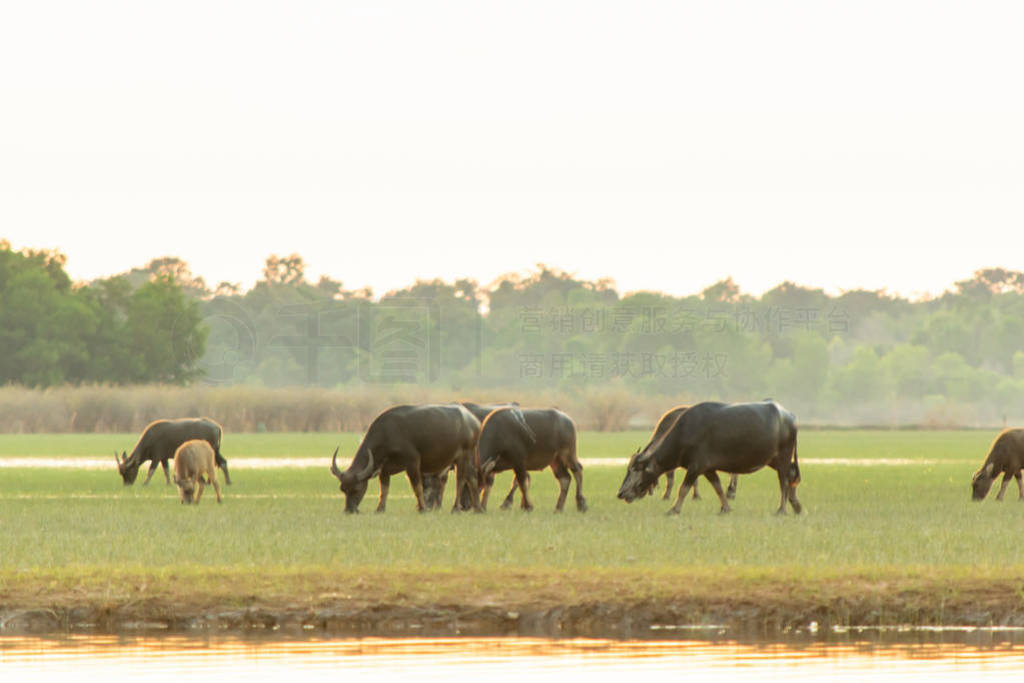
[
  {"x": 716, "y": 484},
  {"x": 200, "y": 485},
  {"x": 670, "y": 478},
  {"x": 510, "y": 498},
  {"x": 684, "y": 489},
  {"x": 416, "y": 480},
  {"x": 385, "y": 486},
  {"x": 152, "y": 468},
  {"x": 486, "y": 492},
  {"x": 558, "y": 469},
  {"x": 577, "y": 473},
  {"x": 523, "y": 479},
  {"x": 787, "y": 490},
  {"x": 1002, "y": 485},
  {"x": 466, "y": 496},
  {"x": 730, "y": 493},
  {"x": 216, "y": 486},
  {"x": 797, "y": 507},
  {"x": 1020, "y": 485},
  {"x": 223, "y": 465},
  {"x": 167, "y": 474}
]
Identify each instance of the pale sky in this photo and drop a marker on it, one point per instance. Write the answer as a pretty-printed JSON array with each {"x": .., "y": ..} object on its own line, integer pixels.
[{"x": 666, "y": 145}]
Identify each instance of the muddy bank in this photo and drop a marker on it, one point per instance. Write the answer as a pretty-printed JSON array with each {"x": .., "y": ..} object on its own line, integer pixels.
[
  {"x": 608, "y": 603},
  {"x": 740, "y": 617}
]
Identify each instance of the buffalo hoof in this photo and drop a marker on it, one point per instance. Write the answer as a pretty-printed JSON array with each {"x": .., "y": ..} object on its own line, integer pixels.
[
  {"x": 730, "y": 494},
  {"x": 506, "y": 505},
  {"x": 725, "y": 509},
  {"x": 672, "y": 511},
  {"x": 581, "y": 505}
]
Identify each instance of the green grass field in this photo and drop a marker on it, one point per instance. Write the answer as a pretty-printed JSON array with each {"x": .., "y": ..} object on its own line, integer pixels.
[{"x": 911, "y": 510}]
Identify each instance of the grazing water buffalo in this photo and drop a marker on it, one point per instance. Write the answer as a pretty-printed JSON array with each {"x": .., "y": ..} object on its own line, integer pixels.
[
  {"x": 194, "y": 461},
  {"x": 1006, "y": 457},
  {"x": 718, "y": 437},
  {"x": 666, "y": 421},
  {"x": 417, "y": 440},
  {"x": 522, "y": 440},
  {"x": 161, "y": 439}
]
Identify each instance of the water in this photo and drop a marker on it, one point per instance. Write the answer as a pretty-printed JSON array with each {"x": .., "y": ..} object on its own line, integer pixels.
[{"x": 114, "y": 659}]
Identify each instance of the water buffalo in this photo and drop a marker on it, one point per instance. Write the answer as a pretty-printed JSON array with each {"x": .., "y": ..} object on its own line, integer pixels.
[
  {"x": 521, "y": 440},
  {"x": 161, "y": 439},
  {"x": 716, "y": 437},
  {"x": 666, "y": 421},
  {"x": 434, "y": 484},
  {"x": 1006, "y": 457},
  {"x": 417, "y": 440},
  {"x": 194, "y": 462}
]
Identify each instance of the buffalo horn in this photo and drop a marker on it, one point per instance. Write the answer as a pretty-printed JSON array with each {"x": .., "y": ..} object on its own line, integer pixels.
[
  {"x": 334, "y": 464},
  {"x": 368, "y": 472}
]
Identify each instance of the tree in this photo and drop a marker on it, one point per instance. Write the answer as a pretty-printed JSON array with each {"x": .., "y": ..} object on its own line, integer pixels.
[
  {"x": 909, "y": 368},
  {"x": 722, "y": 292},
  {"x": 862, "y": 379},
  {"x": 44, "y": 324},
  {"x": 284, "y": 270},
  {"x": 165, "y": 332},
  {"x": 989, "y": 281}
]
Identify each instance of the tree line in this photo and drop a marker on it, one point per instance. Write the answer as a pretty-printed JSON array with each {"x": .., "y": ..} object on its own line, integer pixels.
[{"x": 859, "y": 357}]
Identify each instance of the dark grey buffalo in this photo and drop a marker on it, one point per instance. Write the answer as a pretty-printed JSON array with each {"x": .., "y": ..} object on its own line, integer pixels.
[
  {"x": 161, "y": 439},
  {"x": 716, "y": 437},
  {"x": 1006, "y": 457},
  {"x": 666, "y": 421},
  {"x": 522, "y": 440},
  {"x": 418, "y": 440}
]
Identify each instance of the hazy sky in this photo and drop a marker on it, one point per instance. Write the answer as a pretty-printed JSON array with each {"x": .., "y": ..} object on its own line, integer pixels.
[{"x": 664, "y": 144}]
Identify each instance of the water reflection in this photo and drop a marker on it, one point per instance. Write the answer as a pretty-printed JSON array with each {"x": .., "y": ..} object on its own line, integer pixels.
[{"x": 117, "y": 659}]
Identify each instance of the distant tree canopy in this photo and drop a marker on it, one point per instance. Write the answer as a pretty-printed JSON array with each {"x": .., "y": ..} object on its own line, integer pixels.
[
  {"x": 53, "y": 332},
  {"x": 867, "y": 355}
]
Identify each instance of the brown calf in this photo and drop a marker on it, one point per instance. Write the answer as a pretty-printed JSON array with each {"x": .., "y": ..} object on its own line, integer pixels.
[{"x": 193, "y": 461}]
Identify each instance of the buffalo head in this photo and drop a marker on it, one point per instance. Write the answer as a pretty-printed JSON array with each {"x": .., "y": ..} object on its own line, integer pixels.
[
  {"x": 641, "y": 475},
  {"x": 433, "y": 488},
  {"x": 186, "y": 488},
  {"x": 128, "y": 469},
  {"x": 353, "y": 482},
  {"x": 982, "y": 481}
]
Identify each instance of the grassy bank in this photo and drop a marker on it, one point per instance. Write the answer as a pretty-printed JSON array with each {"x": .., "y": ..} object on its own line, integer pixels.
[{"x": 889, "y": 523}]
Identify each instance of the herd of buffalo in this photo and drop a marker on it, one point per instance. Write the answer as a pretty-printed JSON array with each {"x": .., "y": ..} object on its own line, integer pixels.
[{"x": 428, "y": 442}]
